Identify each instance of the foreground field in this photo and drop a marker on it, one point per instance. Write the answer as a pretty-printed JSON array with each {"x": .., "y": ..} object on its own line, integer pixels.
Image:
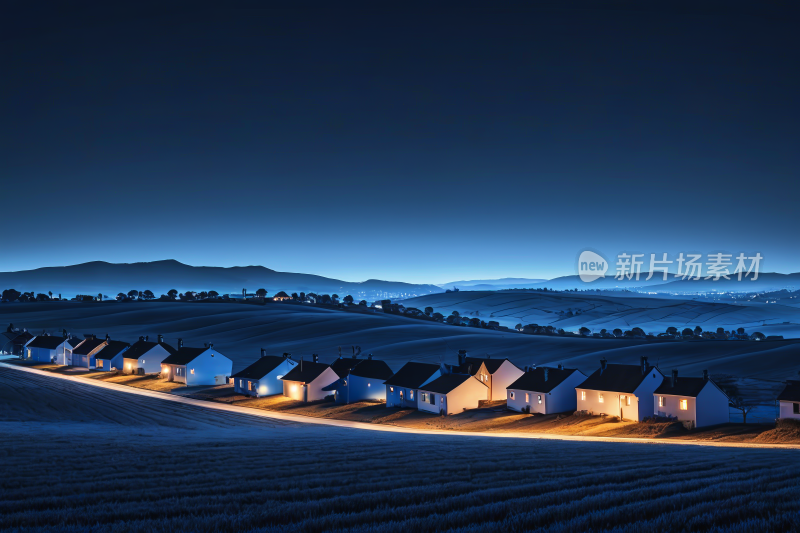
[{"x": 97, "y": 460}]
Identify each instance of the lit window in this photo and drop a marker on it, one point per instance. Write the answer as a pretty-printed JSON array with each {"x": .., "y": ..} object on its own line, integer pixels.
[
  {"x": 424, "y": 396},
  {"x": 540, "y": 398},
  {"x": 99, "y": 363},
  {"x": 601, "y": 398},
  {"x": 511, "y": 394},
  {"x": 142, "y": 361},
  {"x": 583, "y": 395},
  {"x": 661, "y": 401},
  {"x": 192, "y": 370},
  {"x": 249, "y": 384},
  {"x": 627, "y": 400},
  {"x": 391, "y": 389},
  {"x": 527, "y": 397},
  {"x": 411, "y": 395},
  {"x": 369, "y": 384},
  {"x": 684, "y": 405}
]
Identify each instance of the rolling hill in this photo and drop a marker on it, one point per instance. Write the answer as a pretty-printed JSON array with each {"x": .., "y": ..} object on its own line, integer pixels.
[{"x": 161, "y": 276}]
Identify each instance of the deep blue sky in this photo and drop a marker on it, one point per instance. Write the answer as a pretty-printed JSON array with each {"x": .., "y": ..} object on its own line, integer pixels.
[{"x": 414, "y": 145}]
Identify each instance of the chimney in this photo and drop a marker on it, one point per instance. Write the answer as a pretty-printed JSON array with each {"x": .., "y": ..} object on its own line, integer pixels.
[
  {"x": 315, "y": 358},
  {"x": 526, "y": 368},
  {"x": 603, "y": 365},
  {"x": 286, "y": 355},
  {"x": 141, "y": 337},
  {"x": 107, "y": 337},
  {"x": 705, "y": 375},
  {"x": 560, "y": 366},
  {"x": 147, "y": 338},
  {"x": 369, "y": 357},
  {"x": 210, "y": 345},
  {"x": 462, "y": 357},
  {"x": 644, "y": 365},
  {"x": 546, "y": 373},
  {"x": 264, "y": 352},
  {"x": 160, "y": 339},
  {"x": 180, "y": 343},
  {"x": 93, "y": 336},
  {"x": 205, "y": 344},
  {"x": 674, "y": 378}
]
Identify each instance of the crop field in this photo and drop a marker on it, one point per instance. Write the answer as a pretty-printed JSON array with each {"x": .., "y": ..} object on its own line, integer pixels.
[{"x": 79, "y": 458}]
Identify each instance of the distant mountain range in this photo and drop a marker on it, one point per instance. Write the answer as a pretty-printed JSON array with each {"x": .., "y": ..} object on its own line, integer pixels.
[
  {"x": 161, "y": 276},
  {"x": 767, "y": 281},
  {"x": 493, "y": 284}
]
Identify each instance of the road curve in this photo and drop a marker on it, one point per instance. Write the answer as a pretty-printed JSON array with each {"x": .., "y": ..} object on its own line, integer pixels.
[{"x": 273, "y": 415}]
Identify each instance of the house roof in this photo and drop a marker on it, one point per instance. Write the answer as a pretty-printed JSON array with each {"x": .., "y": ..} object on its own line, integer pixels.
[
  {"x": 372, "y": 368},
  {"x": 48, "y": 342},
  {"x": 447, "y": 383},
  {"x": 112, "y": 350},
  {"x": 262, "y": 367},
  {"x": 15, "y": 337},
  {"x": 413, "y": 375},
  {"x": 183, "y": 356},
  {"x": 534, "y": 380},
  {"x": 617, "y": 378},
  {"x": 305, "y": 372},
  {"x": 344, "y": 365},
  {"x": 75, "y": 341},
  {"x": 790, "y": 393},
  {"x": 88, "y": 346},
  {"x": 492, "y": 365},
  {"x": 139, "y": 348}
]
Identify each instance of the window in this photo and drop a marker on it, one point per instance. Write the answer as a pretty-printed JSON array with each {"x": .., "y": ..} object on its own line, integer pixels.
[
  {"x": 433, "y": 399},
  {"x": 192, "y": 371},
  {"x": 369, "y": 384},
  {"x": 796, "y": 408},
  {"x": 661, "y": 401},
  {"x": 583, "y": 395},
  {"x": 411, "y": 395},
  {"x": 601, "y": 397},
  {"x": 511, "y": 394},
  {"x": 99, "y": 363},
  {"x": 527, "y": 397},
  {"x": 684, "y": 405},
  {"x": 627, "y": 400},
  {"x": 424, "y": 396},
  {"x": 249, "y": 384},
  {"x": 391, "y": 389},
  {"x": 142, "y": 361},
  {"x": 540, "y": 398}
]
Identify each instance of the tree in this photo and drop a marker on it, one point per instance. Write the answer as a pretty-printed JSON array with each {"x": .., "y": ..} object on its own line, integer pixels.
[
  {"x": 11, "y": 295},
  {"x": 295, "y": 296},
  {"x": 721, "y": 333},
  {"x": 585, "y": 331},
  {"x": 42, "y": 297},
  {"x": 757, "y": 336},
  {"x": 133, "y": 294},
  {"x": 638, "y": 332},
  {"x": 172, "y": 293},
  {"x": 50, "y": 294},
  {"x": 698, "y": 331},
  {"x": 687, "y": 332},
  {"x": 429, "y": 311},
  {"x": 261, "y": 293},
  {"x": 202, "y": 295},
  {"x": 474, "y": 322},
  {"x": 740, "y": 331},
  {"x": 617, "y": 332},
  {"x": 672, "y": 330},
  {"x": 456, "y": 314},
  {"x": 362, "y": 303},
  {"x": 148, "y": 295},
  {"x": 213, "y": 294},
  {"x": 518, "y": 327},
  {"x": 302, "y": 297},
  {"x": 437, "y": 317},
  {"x": 121, "y": 297},
  {"x": 334, "y": 298},
  {"x": 348, "y": 299}
]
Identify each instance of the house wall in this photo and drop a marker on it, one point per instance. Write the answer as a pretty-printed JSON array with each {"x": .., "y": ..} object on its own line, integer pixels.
[
  {"x": 40, "y": 355},
  {"x": 208, "y": 368},
  {"x": 174, "y": 373},
  {"x": 294, "y": 390},
  {"x": 644, "y": 393},
  {"x": 360, "y": 388},
  {"x": 116, "y": 363},
  {"x": 150, "y": 361},
  {"x": 672, "y": 407},
  {"x": 425, "y": 405},
  {"x": 516, "y": 400},
  {"x": 786, "y": 410},
  {"x": 560, "y": 400},
  {"x": 712, "y": 407},
  {"x": 131, "y": 366},
  {"x": 310, "y": 392},
  {"x": 410, "y": 397},
  {"x": 613, "y": 404},
  {"x": 465, "y": 396},
  {"x": 272, "y": 383},
  {"x": 507, "y": 374}
]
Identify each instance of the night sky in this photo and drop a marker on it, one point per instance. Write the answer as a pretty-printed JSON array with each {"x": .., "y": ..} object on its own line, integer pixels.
[{"x": 413, "y": 145}]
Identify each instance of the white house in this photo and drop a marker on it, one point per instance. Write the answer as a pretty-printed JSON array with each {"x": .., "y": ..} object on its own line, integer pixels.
[
  {"x": 364, "y": 382},
  {"x": 110, "y": 357},
  {"x": 263, "y": 378},
  {"x": 402, "y": 388},
  {"x": 48, "y": 349},
  {"x": 196, "y": 366},
  {"x": 545, "y": 390},
  {"x": 452, "y": 393},
  {"x": 625, "y": 391},
  {"x": 497, "y": 374},
  {"x": 83, "y": 355},
  {"x": 699, "y": 401},
  {"x": 789, "y": 400},
  {"x": 306, "y": 381},
  {"x": 145, "y": 357}
]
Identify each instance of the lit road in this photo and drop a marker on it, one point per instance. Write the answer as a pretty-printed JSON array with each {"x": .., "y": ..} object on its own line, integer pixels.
[{"x": 273, "y": 415}]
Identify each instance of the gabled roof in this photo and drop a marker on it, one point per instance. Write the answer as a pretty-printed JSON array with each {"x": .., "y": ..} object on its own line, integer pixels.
[
  {"x": 112, "y": 350},
  {"x": 183, "y": 356},
  {"x": 790, "y": 393},
  {"x": 139, "y": 348},
  {"x": 15, "y": 337},
  {"x": 412, "y": 375},
  {"x": 343, "y": 365},
  {"x": 88, "y": 346},
  {"x": 305, "y": 372},
  {"x": 48, "y": 342},
  {"x": 492, "y": 365},
  {"x": 262, "y": 367},
  {"x": 534, "y": 380},
  {"x": 617, "y": 378},
  {"x": 447, "y": 383},
  {"x": 373, "y": 369},
  {"x": 75, "y": 341},
  {"x": 683, "y": 386}
]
